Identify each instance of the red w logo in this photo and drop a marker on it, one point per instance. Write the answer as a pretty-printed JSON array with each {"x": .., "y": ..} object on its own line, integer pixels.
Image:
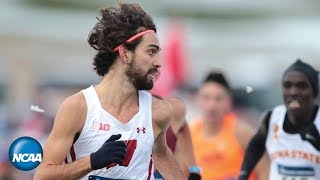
[{"x": 131, "y": 147}]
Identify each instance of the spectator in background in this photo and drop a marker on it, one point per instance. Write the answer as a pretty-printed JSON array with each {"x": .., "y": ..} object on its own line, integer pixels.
[
  {"x": 219, "y": 138},
  {"x": 290, "y": 132}
]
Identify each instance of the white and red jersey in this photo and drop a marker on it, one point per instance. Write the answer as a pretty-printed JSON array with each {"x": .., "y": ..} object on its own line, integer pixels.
[
  {"x": 291, "y": 157},
  {"x": 137, "y": 133}
]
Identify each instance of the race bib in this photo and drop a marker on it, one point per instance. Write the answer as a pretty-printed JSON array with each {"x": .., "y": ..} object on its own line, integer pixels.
[{"x": 296, "y": 173}]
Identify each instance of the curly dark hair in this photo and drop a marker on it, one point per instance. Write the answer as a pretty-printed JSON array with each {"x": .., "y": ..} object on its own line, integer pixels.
[{"x": 115, "y": 26}]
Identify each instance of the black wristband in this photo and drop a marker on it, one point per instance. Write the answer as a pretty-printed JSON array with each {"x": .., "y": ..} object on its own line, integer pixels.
[
  {"x": 194, "y": 176},
  {"x": 243, "y": 175}
]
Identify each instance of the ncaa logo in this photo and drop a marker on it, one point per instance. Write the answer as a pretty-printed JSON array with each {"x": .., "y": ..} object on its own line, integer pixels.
[{"x": 25, "y": 153}]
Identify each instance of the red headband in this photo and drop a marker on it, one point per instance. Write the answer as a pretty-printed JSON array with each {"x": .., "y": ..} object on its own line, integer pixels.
[{"x": 133, "y": 38}]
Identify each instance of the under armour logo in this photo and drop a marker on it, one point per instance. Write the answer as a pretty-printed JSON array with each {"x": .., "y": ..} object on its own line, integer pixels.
[
  {"x": 310, "y": 137},
  {"x": 143, "y": 129}
]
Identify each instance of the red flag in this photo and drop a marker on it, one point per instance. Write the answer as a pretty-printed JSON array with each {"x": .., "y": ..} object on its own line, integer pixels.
[{"x": 174, "y": 66}]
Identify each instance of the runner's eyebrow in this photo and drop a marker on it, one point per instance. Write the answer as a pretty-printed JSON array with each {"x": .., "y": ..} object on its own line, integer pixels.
[{"x": 155, "y": 46}]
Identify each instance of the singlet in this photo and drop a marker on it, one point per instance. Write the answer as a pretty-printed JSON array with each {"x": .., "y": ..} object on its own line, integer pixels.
[
  {"x": 291, "y": 157},
  {"x": 137, "y": 133},
  {"x": 219, "y": 157}
]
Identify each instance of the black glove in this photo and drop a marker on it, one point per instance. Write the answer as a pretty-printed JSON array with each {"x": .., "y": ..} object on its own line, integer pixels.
[
  {"x": 111, "y": 151},
  {"x": 311, "y": 134},
  {"x": 194, "y": 176}
]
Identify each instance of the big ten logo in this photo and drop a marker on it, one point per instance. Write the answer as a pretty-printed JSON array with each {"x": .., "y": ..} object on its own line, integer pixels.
[
  {"x": 25, "y": 153},
  {"x": 101, "y": 126}
]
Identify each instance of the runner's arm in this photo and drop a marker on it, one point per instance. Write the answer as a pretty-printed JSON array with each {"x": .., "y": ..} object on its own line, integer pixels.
[
  {"x": 184, "y": 149},
  {"x": 66, "y": 125},
  {"x": 255, "y": 149},
  {"x": 163, "y": 158}
]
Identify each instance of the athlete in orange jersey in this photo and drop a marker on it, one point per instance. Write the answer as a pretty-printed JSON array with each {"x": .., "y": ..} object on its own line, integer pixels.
[{"x": 219, "y": 139}]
